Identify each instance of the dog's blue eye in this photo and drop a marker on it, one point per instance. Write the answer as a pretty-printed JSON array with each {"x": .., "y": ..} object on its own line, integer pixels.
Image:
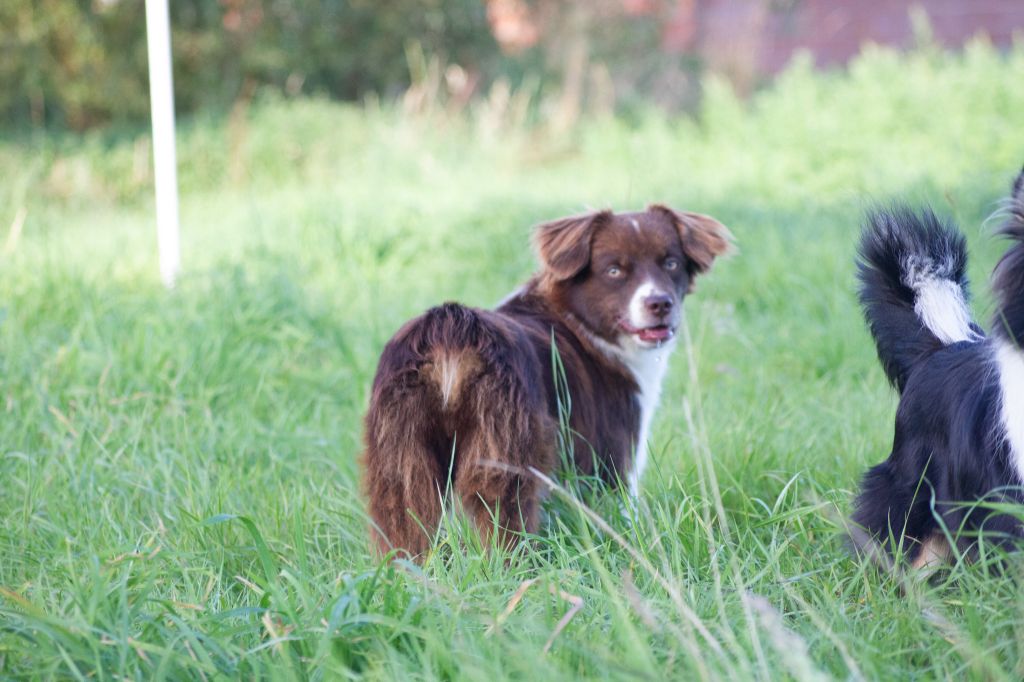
[
  {"x": 672, "y": 264},
  {"x": 614, "y": 271}
]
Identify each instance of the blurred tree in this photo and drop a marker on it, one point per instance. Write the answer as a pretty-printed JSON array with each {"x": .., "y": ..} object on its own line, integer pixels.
[
  {"x": 83, "y": 62},
  {"x": 76, "y": 60},
  {"x": 599, "y": 53}
]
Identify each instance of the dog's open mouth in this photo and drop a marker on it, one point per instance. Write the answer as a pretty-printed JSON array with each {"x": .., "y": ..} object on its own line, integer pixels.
[{"x": 653, "y": 334}]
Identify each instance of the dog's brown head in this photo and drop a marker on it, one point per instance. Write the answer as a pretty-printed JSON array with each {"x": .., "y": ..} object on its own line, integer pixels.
[{"x": 624, "y": 275}]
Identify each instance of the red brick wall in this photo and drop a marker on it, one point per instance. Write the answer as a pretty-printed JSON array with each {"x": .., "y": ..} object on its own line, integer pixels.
[{"x": 832, "y": 30}]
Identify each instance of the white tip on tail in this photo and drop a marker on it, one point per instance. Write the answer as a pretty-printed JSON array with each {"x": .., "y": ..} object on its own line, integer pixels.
[{"x": 940, "y": 304}]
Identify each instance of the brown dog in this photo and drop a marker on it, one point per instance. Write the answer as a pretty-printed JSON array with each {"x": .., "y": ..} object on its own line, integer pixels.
[{"x": 465, "y": 399}]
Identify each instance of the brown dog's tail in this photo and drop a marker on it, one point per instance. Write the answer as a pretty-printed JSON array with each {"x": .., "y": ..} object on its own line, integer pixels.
[{"x": 454, "y": 408}]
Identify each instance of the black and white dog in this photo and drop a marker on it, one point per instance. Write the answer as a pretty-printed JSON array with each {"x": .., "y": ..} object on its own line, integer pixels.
[{"x": 958, "y": 452}]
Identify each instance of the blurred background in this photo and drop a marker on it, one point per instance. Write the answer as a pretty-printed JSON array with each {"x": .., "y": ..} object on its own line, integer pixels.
[
  {"x": 74, "y": 107},
  {"x": 81, "y": 64}
]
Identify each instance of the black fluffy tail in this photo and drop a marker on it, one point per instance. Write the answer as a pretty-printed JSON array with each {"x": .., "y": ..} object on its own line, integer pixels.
[
  {"x": 913, "y": 287},
  {"x": 1008, "y": 278}
]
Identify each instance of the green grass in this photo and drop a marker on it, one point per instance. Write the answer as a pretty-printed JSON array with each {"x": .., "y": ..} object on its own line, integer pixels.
[{"x": 178, "y": 478}]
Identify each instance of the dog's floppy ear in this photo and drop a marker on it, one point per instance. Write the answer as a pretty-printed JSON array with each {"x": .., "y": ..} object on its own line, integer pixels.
[
  {"x": 564, "y": 245},
  {"x": 703, "y": 237}
]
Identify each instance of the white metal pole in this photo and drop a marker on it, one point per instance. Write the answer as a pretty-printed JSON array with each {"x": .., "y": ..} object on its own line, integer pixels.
[{"x": 161, "y": 102}]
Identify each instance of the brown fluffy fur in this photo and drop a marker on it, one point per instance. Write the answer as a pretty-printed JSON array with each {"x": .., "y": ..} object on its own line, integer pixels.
[{"x": 464, "y": 398}]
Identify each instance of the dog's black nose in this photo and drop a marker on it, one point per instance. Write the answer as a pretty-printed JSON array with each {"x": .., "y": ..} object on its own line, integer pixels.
[{"x": 659, "y": 305}]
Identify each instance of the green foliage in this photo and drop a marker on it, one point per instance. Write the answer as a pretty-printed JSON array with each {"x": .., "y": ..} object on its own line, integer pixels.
[
  {"x": 83, "y": 62},
  {"x": 180, "y": 494}
]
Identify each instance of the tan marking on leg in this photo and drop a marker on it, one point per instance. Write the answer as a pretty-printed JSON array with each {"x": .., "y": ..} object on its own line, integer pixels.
[{"x": 935, "y": 551}]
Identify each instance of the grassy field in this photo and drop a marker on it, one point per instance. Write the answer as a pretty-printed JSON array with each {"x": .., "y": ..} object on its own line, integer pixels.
[{"x": 178, "y": 478}]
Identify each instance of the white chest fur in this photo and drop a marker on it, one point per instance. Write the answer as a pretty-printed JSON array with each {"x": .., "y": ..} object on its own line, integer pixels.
[
  {"x": 648, "y": 367},
  {"x": 1010, "y": 362}
]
